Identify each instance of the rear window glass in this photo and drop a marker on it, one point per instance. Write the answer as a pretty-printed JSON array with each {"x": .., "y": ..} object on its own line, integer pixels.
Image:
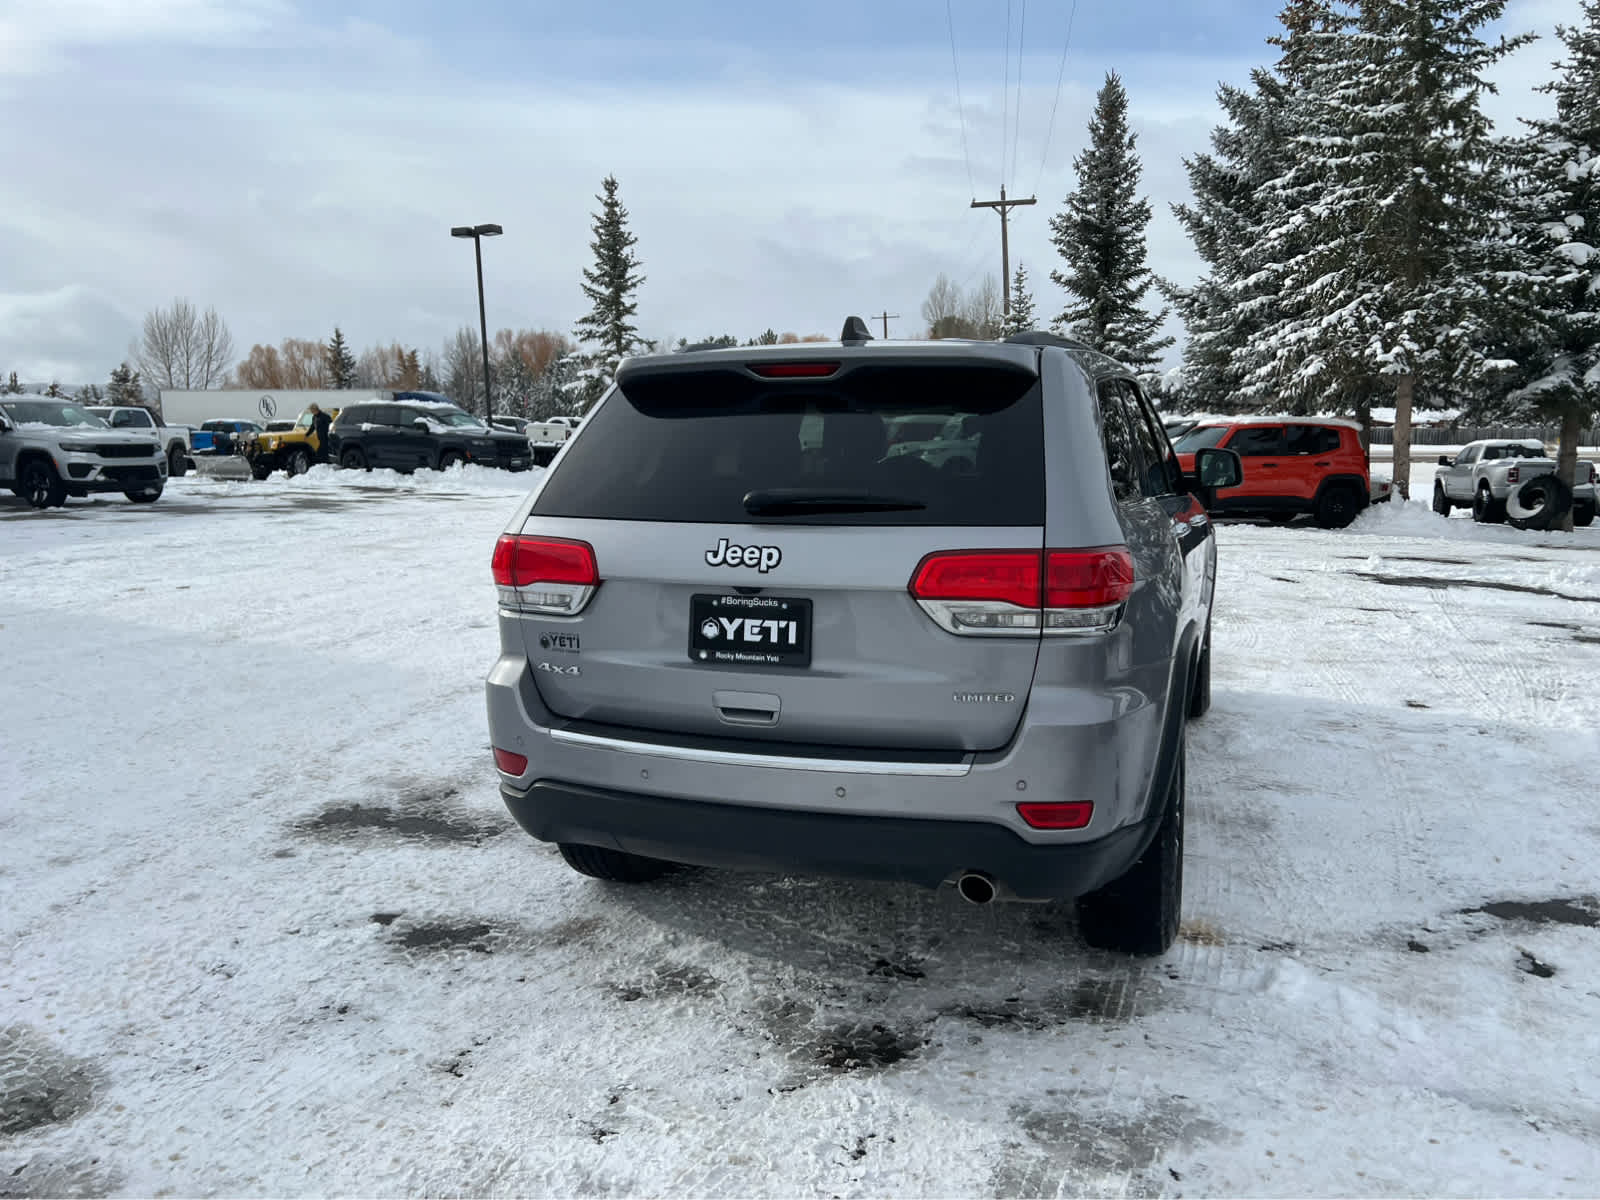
[{"x": 692, "y": 446}]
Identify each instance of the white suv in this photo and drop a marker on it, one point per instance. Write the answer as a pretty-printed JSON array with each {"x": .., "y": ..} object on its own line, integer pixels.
[{"x": 51, "y": 449}]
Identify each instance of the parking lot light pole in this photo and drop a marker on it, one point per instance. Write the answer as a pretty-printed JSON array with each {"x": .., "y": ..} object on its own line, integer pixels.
[{"x": 477, "y": 233}]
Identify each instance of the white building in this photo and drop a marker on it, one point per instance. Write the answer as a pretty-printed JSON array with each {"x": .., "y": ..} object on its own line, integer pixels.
[{"x": 179, "y": 407}]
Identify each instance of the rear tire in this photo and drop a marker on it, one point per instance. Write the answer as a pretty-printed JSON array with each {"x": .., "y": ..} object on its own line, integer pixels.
[
  {"x": 39, "y": 485},
  {"x": 1582, "y": 516},
  {"x": 145, "y": 495},
  {"x": 354, "y": 460},
  {"x": 1337, "y": 507},
  {"x": 598, "y": 862},
  {"x": 177, "y": 462},
  {"x": 1441, "y": 502},
  {"x": 1138, "y": 913},
  {"x": 449, "y": 459}
]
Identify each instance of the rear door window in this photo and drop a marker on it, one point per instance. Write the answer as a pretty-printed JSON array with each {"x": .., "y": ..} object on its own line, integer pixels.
[
  {"x": 1121, "y": 442},
  {"x": 691, "y": 446},
  {"x": 1312, "y": 439},
  {"x": 1257, "y": 441}
]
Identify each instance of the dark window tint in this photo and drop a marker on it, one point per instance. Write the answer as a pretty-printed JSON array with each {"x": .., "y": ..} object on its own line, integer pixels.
[
  {"x": 387, "y": 414},
  {"x": 1155, "y": 451},
  {"x": 691, "y": 445},
  {"x": 1123, "y": 458},
  {"x": 1257, "y": 441},
  {"x": 1201, "y": 438},
  {"x": 1312, "y": 439},
  {"x": 353, "y": 416}
]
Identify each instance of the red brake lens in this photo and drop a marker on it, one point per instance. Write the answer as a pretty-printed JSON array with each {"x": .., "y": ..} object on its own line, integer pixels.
[
  {"x": 1010, "y": 576},
  {"x": 522, "y": 561},
  {"x": 1064, "y": 815},
  {"x": 1088, "y": 578},
  {"x": 511, "y": 764},
  {"x": 794, "y": 370}
]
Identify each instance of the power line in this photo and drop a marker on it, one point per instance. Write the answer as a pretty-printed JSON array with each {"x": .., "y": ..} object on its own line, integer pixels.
[
  {"x": 1060, "y": 75},
  {"x": 1005, "y": 96},
  {"x": 1016, "y": 126},
  {"x": 961, "y": 110}
]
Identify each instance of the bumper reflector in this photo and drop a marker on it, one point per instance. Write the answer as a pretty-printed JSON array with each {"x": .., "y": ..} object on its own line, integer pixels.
[
  {"x": 1067, "y": 815},
  {"x": 511, "y": 764}
]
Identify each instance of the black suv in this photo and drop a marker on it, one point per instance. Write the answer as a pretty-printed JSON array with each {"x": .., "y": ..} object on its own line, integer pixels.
[{"x": 421, "y": 429}]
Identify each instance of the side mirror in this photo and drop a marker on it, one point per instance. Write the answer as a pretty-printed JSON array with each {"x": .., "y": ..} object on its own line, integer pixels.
[
  {"x": 1446, "y": 461},
  {"x": 1215, "y": 468},
  {"x": 420, "y": 423}
]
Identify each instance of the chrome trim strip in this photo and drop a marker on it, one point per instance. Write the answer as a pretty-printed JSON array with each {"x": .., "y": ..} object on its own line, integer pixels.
[{"x": 833, "y": 766}]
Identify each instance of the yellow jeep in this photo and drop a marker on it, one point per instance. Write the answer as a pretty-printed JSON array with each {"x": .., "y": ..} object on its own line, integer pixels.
[{"x": 293, "y": 451}]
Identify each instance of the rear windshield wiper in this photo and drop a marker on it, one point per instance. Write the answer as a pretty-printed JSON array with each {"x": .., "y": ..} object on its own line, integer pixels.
[{"x": 775, "y": 502}]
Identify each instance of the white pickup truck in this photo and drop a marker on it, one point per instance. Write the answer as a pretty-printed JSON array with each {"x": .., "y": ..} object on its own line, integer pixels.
[
  {"x": 546, "y": 437},
  {"x": 173, "y": 439},
  {"x": 1490, "y": 476}
]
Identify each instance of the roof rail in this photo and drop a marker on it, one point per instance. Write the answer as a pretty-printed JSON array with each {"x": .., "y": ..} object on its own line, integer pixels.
[{"x": 1038, "y": 337}]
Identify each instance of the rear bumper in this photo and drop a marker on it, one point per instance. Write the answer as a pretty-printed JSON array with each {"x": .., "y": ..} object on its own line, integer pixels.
[{"x": 896, "y": 849}]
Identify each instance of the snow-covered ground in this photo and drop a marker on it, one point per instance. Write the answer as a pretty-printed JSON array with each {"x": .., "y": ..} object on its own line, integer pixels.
[{"x": 266, "y": 929}]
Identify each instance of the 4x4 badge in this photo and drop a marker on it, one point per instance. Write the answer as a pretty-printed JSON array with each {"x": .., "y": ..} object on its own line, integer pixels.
[{"x": 763, "y": 558}]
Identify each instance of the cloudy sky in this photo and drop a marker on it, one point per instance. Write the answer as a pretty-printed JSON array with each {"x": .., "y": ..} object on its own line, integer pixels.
[{"x": 299, "y": 165}]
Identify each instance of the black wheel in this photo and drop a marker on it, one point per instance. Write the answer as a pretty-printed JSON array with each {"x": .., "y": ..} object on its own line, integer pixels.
[
  {"x": 353, "y": 460},
  {"x": 449, "y": 459},
  {"x": 1200, "y": 693},
  {"x": 260, "y": 470},
  {"x": 299, "y": 460},
  {"x": 39, "y": 485},
  {"x": 1138, "y": 913},
  {"x": 1337, "y": 507},
  {"x": 177, "y": 462},
  {"x": 598, "y": 862},
  {"x": 1582, "y": 515},
  {"x": 145, "y": 495},
  {"x": 1486, "y": 508},
  {"x": 1441, "y": 502}
]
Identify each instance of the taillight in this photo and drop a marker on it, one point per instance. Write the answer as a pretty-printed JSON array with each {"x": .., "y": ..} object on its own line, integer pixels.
[
  {"x": 1513, "y": 474},
  {"x": 1066, "y": 814},
  {"x": 550, "y": 576},
  {"x": 1021, "y": 592}
]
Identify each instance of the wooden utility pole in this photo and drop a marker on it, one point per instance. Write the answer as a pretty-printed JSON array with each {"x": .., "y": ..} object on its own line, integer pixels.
[
  {"x": 886, "y": 316},
  {"x": 1004, "y": 206}
]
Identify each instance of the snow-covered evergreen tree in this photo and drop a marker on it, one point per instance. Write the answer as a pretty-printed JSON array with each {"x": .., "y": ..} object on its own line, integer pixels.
[
  {"x": 1020, "y": 319},
  {"x": 89, "y": 394},
  {"x": 54, "y": 390},
  {"x": 1558, "y": 231},
  {"x": 1100, "y": 233},
  {"x": 12, "y": 386},
  {"x": 1227, "y": 306},
  {"x": 341, "y": 362},
  {"x": 1387, "y": 235},
  {"x": 611, "y": 286},
  {"x": 125, "y": 386}
]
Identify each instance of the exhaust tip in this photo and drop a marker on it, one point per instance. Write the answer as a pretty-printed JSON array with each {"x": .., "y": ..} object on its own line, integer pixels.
[{"x": 975, "y": 887}]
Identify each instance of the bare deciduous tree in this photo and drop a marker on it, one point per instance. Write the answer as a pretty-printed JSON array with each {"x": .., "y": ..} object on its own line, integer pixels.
[
  {"x": 943, "y": 302},
  {"x": 982, "y": 309},
  {"x": 182, "y": 348}
]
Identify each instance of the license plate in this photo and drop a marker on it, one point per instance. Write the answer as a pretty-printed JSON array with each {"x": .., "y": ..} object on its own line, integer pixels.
[{"x": 750, "y": 631}]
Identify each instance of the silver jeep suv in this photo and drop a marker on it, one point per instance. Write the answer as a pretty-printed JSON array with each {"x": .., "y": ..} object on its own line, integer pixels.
[
  {"x": 736, "y": 631},
  {"x": 51, "y": 448}
]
